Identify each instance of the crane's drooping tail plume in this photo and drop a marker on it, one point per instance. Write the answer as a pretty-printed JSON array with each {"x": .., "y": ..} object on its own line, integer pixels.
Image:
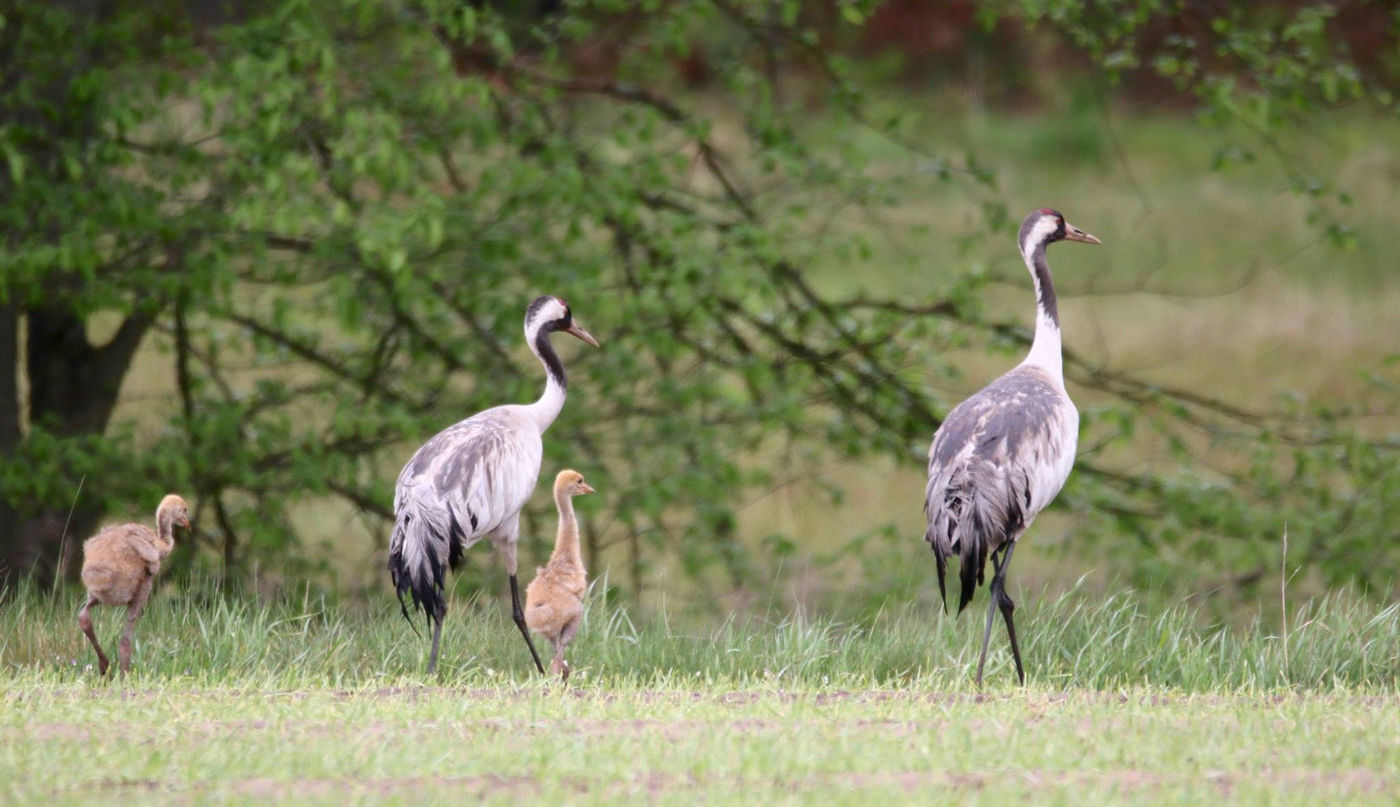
[
  {"x": 970, "y": 523},
  {"x": 420, "y": 553}
]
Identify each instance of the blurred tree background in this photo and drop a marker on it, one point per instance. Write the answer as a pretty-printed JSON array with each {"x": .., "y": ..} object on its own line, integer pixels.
[{"x": 256, "y": 252}]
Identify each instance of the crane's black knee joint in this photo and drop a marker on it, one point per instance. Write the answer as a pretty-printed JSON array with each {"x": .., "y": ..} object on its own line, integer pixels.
[{"x": 1004, "y": 601}]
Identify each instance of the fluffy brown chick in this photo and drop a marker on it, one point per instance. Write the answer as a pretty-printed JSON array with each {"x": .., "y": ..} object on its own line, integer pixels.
[
  {"x": 554, "y": 599},
  {"x": 119, "y": 567}
]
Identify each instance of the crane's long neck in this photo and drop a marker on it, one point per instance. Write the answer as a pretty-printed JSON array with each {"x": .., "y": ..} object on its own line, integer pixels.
[
  {"x": 1045, "y": 350},
  {"x": 566, "y": 548},
  {"x": 547, "y": 408},
  {"x": 165, "y": 532}
]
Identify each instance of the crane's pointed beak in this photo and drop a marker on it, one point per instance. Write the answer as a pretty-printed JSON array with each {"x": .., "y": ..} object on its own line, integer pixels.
[
  {"x": 1073, "y": 233},
  {"x": 578, "y": 331},
  {"x": 185, "y": 522},
  {"x": 587, "y": 488}
]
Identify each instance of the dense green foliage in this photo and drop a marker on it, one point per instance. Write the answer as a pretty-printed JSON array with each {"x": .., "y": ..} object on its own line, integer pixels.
[{"x": 329, "y": 216}]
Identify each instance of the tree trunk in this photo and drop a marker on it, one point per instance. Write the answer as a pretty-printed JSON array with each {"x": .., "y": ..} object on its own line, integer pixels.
[
  {"x": 57, "y": 356},
  {"x": 73, "y": 388},
  {"x": 11, "y": 431}
]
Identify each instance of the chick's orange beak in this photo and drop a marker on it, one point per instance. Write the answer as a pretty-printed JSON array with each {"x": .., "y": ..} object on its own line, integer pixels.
[{"x": 587, "y": 488}]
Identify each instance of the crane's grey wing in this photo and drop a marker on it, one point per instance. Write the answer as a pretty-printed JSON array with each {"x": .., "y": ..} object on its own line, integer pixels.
[
  {"x": 998, "y": 459},
  {"x": 469, "y": 480}
]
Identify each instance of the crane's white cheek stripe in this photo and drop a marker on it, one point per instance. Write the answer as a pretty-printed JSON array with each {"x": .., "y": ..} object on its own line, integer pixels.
[{"x": 1043, "y": 229}]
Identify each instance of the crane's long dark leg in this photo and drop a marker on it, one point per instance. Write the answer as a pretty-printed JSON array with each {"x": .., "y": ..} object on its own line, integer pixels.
[
  {"x": 991, "y": 614},
  {"x": 1001, "y": 600},
  {"x": 85, "y": 622},
  {"x": 505, "y": 544},
  {"x": 519, "y": 615},
  {"x": 437, "y": 635},
  {"x": 1004, "y": 602}
]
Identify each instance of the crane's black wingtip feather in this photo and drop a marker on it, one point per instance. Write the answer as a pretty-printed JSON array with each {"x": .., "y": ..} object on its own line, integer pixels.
[
  {"x": 964, "y": 598},
  {"x": 426, "y": 593},
  {"x": 403, "y": 606},
  {"x": 942, "y": 587},
  {"x": 974, "y": 560}
]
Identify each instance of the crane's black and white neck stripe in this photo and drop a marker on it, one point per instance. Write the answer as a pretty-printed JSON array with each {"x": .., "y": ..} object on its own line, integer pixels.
[
  {"x": 546, "y": 315},
  {"x": 1040, "y": 229}
]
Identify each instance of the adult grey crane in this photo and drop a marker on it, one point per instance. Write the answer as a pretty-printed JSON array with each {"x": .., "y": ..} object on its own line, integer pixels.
[
  {"x": 470, "y": 481},
  {"x": 1002, "y": 455}
]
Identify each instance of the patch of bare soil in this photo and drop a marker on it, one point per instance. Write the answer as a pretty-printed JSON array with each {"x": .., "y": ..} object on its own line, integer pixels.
[
  {"x": 1352, "y": 781},
  {"x": 736, "y": 698},
  {"x": 466, "y": 786}
]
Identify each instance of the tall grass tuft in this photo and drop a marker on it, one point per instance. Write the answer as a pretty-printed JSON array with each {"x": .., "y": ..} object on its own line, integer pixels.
[{"x": 1339, "y": 641}]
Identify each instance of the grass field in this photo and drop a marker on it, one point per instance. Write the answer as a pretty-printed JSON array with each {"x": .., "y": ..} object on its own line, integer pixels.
[
  {"x": 309, "y": 701},
  {"x": 715, "y": 744}
]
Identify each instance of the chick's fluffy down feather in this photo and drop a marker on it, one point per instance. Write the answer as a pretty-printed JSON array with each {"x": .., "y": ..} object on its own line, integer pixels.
[{"x": 554, "y": 599}]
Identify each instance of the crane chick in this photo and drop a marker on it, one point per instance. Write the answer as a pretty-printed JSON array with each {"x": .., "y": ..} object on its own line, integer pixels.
[
  {"x": 119, "y": 567},
  {"x": 554, "y": 599}
]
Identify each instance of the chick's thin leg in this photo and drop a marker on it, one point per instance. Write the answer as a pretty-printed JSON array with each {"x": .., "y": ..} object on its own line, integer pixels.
[
  {"x": 85, "y": 622},
  {"x": 133, "y": 612},
  {"x": 566, "y": 635}
]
